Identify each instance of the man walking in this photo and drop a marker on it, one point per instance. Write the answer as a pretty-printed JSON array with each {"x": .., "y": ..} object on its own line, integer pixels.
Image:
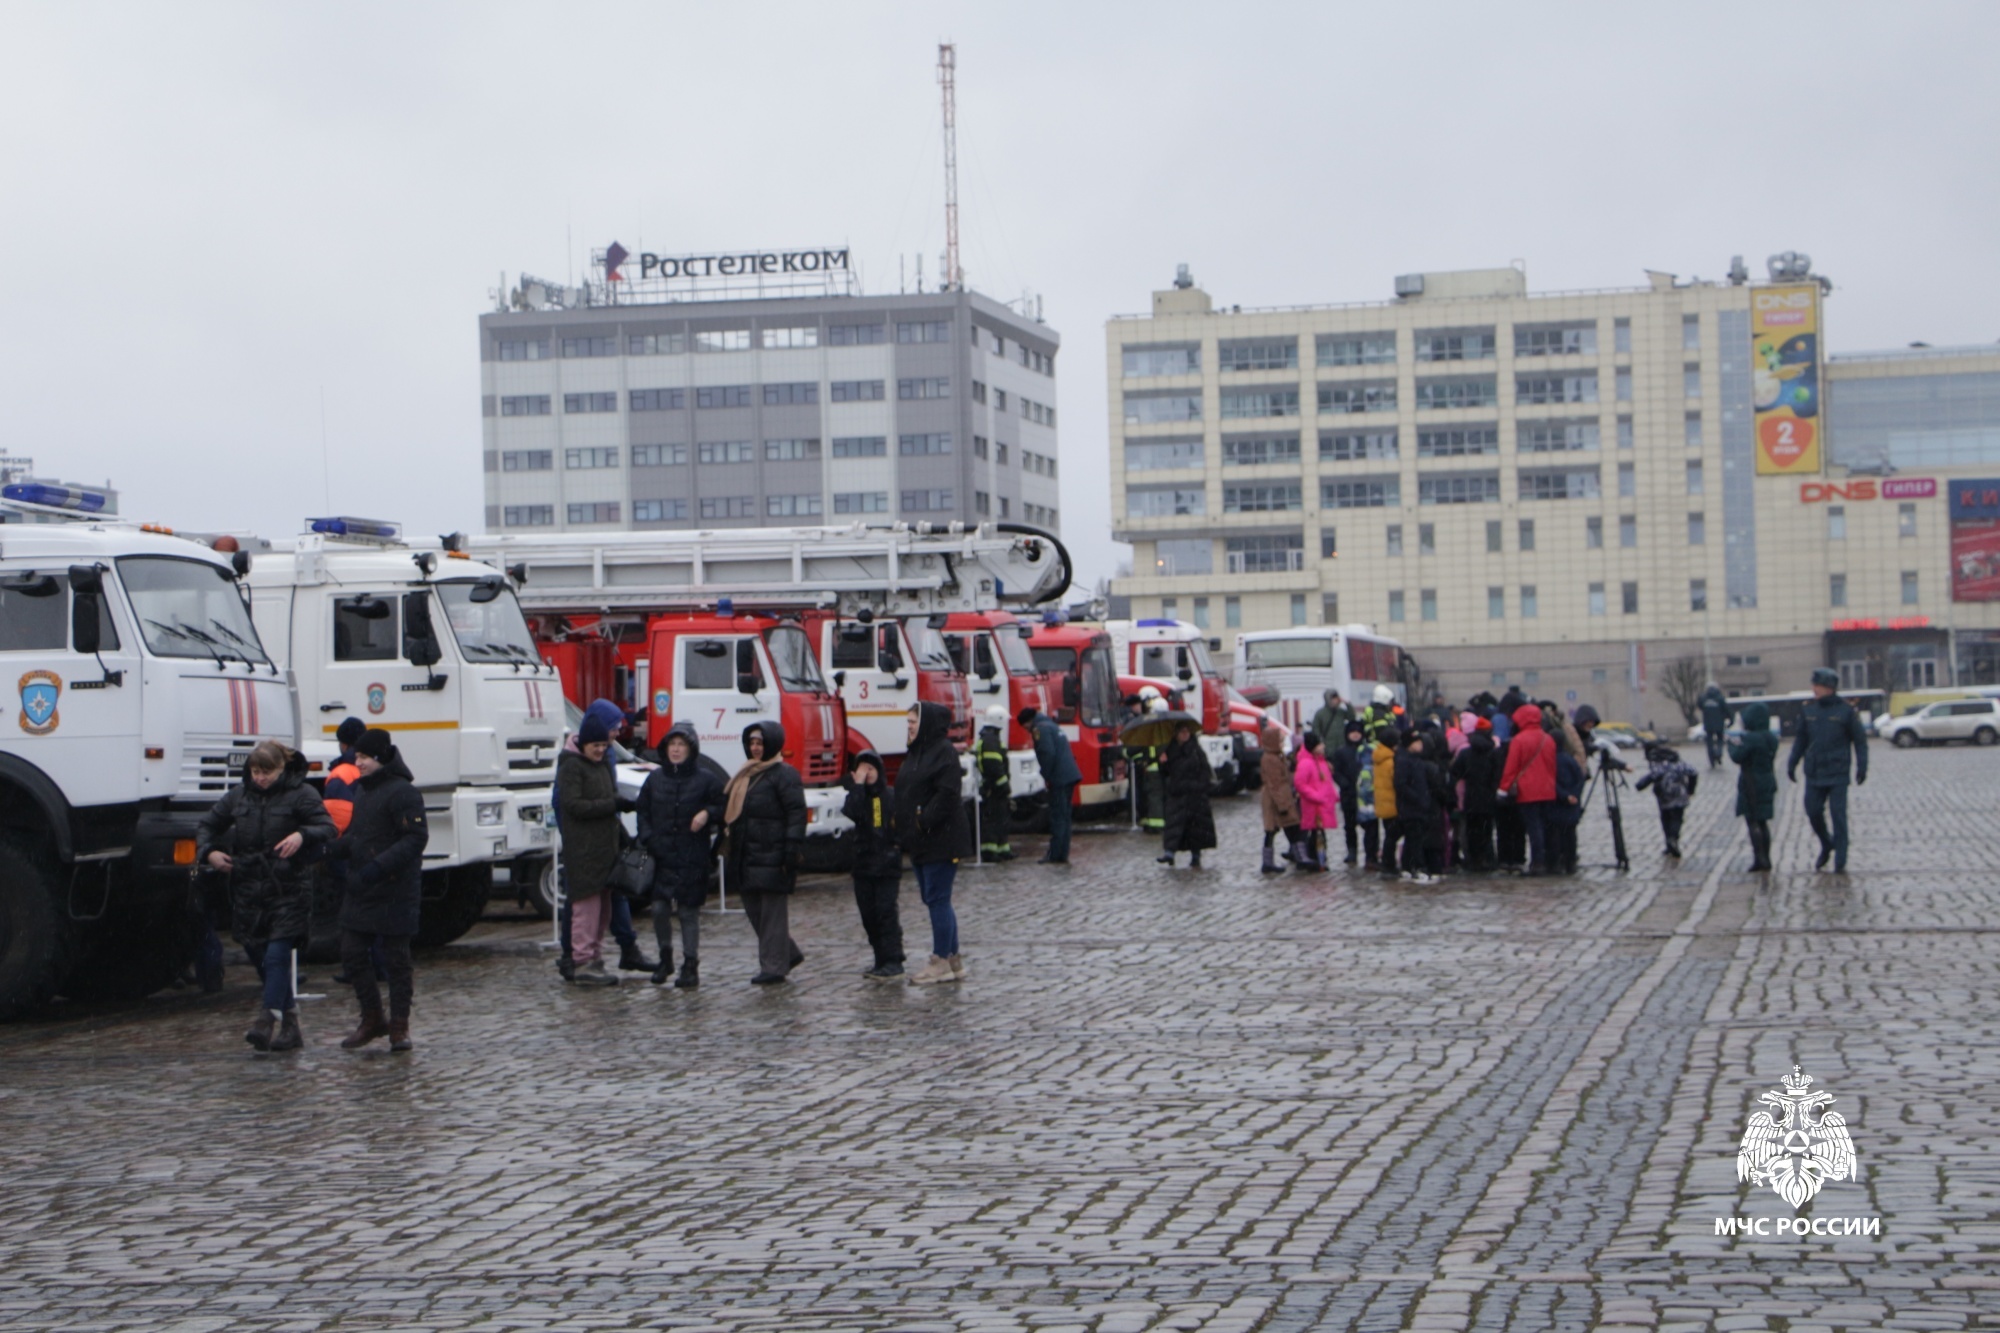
[
  {"x": 1715, "y": 712},
  {"x": 1828, "y": 726},
  {"x": 1059, "y": 771}
]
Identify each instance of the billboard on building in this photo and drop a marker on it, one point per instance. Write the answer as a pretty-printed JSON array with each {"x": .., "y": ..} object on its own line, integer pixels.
[
  {"x": 1785, "y": 378},
  {"x": 1975, "y": 539}
]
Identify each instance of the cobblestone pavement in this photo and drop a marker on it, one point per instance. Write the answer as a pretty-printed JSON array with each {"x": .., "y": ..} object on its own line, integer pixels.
[{"x": 1161, "y": 1100}]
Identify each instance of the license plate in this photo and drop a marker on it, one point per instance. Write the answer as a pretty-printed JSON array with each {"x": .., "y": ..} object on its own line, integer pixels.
[{"x": 536, "y": 833}]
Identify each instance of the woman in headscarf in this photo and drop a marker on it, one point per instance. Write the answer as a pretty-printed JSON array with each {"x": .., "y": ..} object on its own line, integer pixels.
[{"x": 764, "y": 822}]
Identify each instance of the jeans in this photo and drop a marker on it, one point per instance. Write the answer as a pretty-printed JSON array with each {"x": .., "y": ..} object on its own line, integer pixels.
[
  {"x": 354, "y": 946},
  {"x": 1533, "y": 824},
  {"x": 276, "y": 967},
  {"x": 1059, "y": 822},
  {"x": 621, "y": 922},
  {"x": 1818, "y": 801},
  {"x": 665, "y": 909},
  {"x": 934, "y": 886},
  {"x": 875, "y": 898}
]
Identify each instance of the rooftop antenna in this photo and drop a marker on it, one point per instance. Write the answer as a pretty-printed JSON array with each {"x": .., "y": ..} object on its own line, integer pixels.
[{"x": 953, "y": 277}]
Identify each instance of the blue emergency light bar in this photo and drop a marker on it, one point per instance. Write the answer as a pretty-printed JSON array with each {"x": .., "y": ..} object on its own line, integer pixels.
[
  {"x": 373, "y": 529},
  {"x": 56, "y": 497},
  {"x": 1159, "y": 624}
]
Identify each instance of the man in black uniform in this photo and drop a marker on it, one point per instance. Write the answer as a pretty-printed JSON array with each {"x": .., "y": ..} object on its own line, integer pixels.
[{"x": 1828, "y": 726}]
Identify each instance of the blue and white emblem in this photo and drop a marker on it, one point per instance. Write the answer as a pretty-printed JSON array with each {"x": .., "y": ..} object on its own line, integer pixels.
[
  {"x": 39, "y": 692},
  {"x": 663, "y": 703}
]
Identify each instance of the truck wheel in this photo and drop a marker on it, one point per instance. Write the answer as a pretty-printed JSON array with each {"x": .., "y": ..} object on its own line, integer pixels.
[
  {"x": 32, "y": 937},
  {"x": 449, "y": 915},
  {"x": 1985, "y": 736},
  {"x": 1906, "y": 739},
  {"x": 130, "y": 960},
  {"x": 539, "y": 891}
]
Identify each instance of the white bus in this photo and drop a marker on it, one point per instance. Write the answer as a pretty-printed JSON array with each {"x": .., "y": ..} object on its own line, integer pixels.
[{"x": 1303, "y": 664}]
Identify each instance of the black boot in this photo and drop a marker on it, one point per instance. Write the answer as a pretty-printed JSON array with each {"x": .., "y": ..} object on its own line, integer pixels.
[
  {"x": 664, "y": 970},
  {"x": 259, "y": 1034},
  {"x": 289, "y": 1037},
  {"x": 690, "y": 976},
  {"x": 631, "y": 958},
  {"x": 1166, "y": 860},
  {"x": 1194, "y": 860},
  {"x": 1270, "y": 866}
]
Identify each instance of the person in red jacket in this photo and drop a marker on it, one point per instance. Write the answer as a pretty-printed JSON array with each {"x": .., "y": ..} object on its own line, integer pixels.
[{"x": 1531, "y": 775}]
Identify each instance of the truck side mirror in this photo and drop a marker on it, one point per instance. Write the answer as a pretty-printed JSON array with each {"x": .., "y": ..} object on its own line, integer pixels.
[
  {"x": 484, "y": 591},
  {"x": 887, "y": 661},
  {"x": 746, "y": 682},
  {"x": 86, "y": 583},
  {"x": 420, "y": 643},
  {"x": 1072, "y": 693},
  {"x": 1185, "y": 673}
]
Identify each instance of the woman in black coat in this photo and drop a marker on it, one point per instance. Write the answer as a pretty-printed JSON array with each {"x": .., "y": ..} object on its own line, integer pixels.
[
  {"x": 261, "y": 835},
  {"x": 384, "y": 851},
  {"x": 931, "y": 825},
  {"x": 1477, "y": 770},
  {"x": 680, "y": 816},
  {"x": 765, "y": 827},
  {"x": 587, "y": 813},
  {"x": 1190, "y": 820}
]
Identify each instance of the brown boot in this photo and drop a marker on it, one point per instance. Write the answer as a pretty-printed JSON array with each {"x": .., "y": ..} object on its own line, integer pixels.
[
  {"x": 289, "y": 1037},
  {"x": 259, "y": 1035},
  {"x": 371, "y": 1026},
  {"x": 399, "y": 1035}
]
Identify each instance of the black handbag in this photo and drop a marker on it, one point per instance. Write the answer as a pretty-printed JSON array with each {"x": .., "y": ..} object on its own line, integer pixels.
[{"x": 632, "y": 873}]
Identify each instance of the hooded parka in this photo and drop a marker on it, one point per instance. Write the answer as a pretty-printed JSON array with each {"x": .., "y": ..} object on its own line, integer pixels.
[
  {"x": 769, "y": 834},
  {"x": 270, "y": 897},
  {"x": 673, "y": 795},
  {"x": 930, "y": 805},
  {"x": 871, "y": 808},
  {"x": 1190, "y": 819},
  {"x": 384, "y": 851},
  {"x": 587, "y": 791},
  {"x": 1531, "y": 758},
  {"x": 1280, "y": 801},
  {"x": 1755, "y": 754},
  {"x": 1478, "y": 766}
]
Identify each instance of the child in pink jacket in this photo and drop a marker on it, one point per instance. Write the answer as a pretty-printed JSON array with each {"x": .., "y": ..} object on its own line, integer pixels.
[{"x": 1319, "y": 796}]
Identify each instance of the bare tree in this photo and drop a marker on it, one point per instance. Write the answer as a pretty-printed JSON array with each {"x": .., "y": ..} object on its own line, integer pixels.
[{"x": 1683, "y": 682}]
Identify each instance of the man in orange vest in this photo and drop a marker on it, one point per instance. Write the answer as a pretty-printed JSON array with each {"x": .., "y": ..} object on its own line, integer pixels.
[{"x": 338, "y": 797}]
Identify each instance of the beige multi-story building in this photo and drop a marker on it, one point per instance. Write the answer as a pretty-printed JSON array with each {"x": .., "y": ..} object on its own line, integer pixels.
[{"x": 1556, "y": 490}]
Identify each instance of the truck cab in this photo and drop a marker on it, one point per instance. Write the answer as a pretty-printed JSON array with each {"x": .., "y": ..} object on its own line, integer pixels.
[
  {"x": 884, "y": 666},
  {"x": 1078, "y": 661},
  {"x": 138, "y": 687},
  {"x": 991, "y": 649},
  {"x": 1173, "y": 655}
]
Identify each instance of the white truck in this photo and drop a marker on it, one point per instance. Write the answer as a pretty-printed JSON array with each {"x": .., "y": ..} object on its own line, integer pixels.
[
  {"x": 139, "y": 685},
  {"x": 431, "y": 646}
]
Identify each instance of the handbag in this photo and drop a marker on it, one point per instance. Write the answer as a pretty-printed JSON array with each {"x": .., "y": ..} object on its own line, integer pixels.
[{"x": 632, "y": 873}]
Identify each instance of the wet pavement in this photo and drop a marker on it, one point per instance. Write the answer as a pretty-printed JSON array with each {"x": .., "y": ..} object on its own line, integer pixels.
[{"x": 1161, "y": 1099}]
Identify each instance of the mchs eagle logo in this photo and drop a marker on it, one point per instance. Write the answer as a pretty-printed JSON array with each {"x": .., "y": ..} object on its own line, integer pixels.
[{"x": 1800, "y": 1147}]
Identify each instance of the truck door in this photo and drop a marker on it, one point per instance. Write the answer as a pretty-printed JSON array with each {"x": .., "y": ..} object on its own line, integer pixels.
[
  {"x": 723, "y": 686},
  {"x": 81, "y": 731},
  {"x": 881, "y": 683},
  {"x": 367, "y": 672}
]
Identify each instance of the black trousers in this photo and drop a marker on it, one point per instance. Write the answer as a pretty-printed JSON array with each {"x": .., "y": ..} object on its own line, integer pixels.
[
  {"x": 1478, "y": 842},
  {"x": 1670, "y": 823},
  {"x": 354, "y": 946},
  {"x": 1392, "y": 833},
  {"x": 875, "y": 898},
  {"x": 771, "y": 917},
  {"x": 665, "y": 909},
  {"x": 1511, "y": 831}
]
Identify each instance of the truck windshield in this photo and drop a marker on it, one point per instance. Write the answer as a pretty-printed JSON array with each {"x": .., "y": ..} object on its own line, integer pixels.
[
  {"x": 1202, "y": 665},
  {"x": 1100, "y": 687},
  {"x": 189, "y": 608},
  {"x": 929, "y": 647},
  {"x": 490, "y": 631},
  {"x": 1014, "y": 652},
  {"x": 792, "y": 655}
]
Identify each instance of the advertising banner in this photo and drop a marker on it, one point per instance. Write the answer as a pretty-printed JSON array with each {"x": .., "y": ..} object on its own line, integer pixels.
[
  {"x": 1975, "y": 560},
  {"x": 1975, "y": 497},
  {"x": 1785, "y": 379}
]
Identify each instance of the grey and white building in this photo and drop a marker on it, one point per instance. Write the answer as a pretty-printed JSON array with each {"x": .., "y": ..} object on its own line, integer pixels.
[{"x": 768, "y": 412}]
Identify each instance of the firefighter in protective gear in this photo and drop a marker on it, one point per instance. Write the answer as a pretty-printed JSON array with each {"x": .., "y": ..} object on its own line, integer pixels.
[
  {"x": 989, "y": 755},
  {"x": 1379, "y": 721},
  {"x": 1152, "y": 782}
]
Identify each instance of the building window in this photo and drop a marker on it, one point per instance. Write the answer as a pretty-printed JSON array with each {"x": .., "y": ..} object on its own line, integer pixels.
[
  {"x": 1146, "y": 409},
  {"x": 1531, "y": 677},
  {"x": 982, "y": 503},
  {"x": 1694, "y": 477},
  {"x": 525, "y": 405},
  {"x": 1909, "y": 587},
  {"x": 590, "y": 347},
  {"x": 790, "y": 395},
  {"x": 978, "y": 391},
  {"x": 1427, "y": 604},
  {"x": 1360, "y": 493},
  {"x": 1597, "y": 599},
  {"x": 860, "y": 446},
  {"x": 658, "y": 400},
  {"x": 804, "y": 335},
  {"x": 1464, "y": 489},
  {"x": 1003, "y": 506},
  {"x": 729, "y": 506},
  {"x": 1496, "y": 603},
  {"x": 590, "y": 402},
  {"x": 604, "y": 511},
  {"x": 1261, "y": 403},
  {"x": 1000, "y": 452},
  {"x": 1836, "y": 523},
  {"x": 934, "y": 387},
  {"x": 1593, "y": 534},
  {"x": 1629, "y": 596},
  {"x": 1329, "y": 545},
  {"x": 1690, "y": 333},
  {"x": 1160, "y": 455},
  {"x": 659, "y": 455},
  {"x": 1906, "y": 520},
  {"x": 1628, "y": 480},
  {"x": 658, "y": 511},
  {"x": 857, "y": 391},
  {"x": 655, "y": 344},
  {"x": 980, "y": 449},
  {"x": 1624, "y": 383},
  {"x": 528, "y": 516},
  {"x": 1458, "y": 442},
  {"x": 1393, "y": 535},
  {"x": 1427, "y": 539},
  {"x": 1329, "y": 608},
  {"x": 726, "y": 451},
  {"x": 1836, "y": 590},
  {"x": 722, "y": 340},
  {"x": 723, "y": 395},
  {"x": 790, "y": 451},
  {"x": 1298, "y": 608},
  {"x": 1628, "y": 531},
  {"x": 1697, "y": 594},
  {"x": 1527, "y": 534},
  {"x": 1691, "y": 381},
  {"x": 924, "y": 331},
  {"x": 1258, "y": 355},
  {"x": 913, "y": 445},
  {"x": 1531, "y": 604},
  {"x": 1697, "y": 529},
  {"x": 1598, "y": 675},
  {"x": 1184, "y": 555},
  {"x": 1555, "y": 339},
  {"x": 1367, "y": 349},
  {"x": 1201, "y": 613},
  {"x": 792, "y": 506},
  {"x": 1165, "y": 502},
  {"x": 861, "y": 502},
  {"x": 1693, "y": 430},
  {"x": 1493, "y": 536},
  {"x": 853, "y": 335},
  {"x": 1439, "y": 394},
  {"x": 1534, "y": 389},
  {"x": 523, "y": 351},
  {"x": 580, "y": 459},
  {"x": 1232, "y": 612},
  {"x": 1276, "y": 553},
  {"x": 1373, "y": 397},
  {"x": 1455, "y": 344},
  {"x": 528, "y": 460},
  {"x": 1261, "y": 499},
  {"x": 1555, "y": 437},
  {"x": 1396, "y": 605},
  {"x": 1149, "y": 362},
  {"x": 1366, "y": 446},
  {"x": 1624, "y": 432},
  {"x": 1558, "y": 484},
  {"x": 1251, "y": 450},
  {"x": 1621, "y": 335}
]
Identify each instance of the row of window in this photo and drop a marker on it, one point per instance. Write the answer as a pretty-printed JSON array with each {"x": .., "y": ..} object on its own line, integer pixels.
[
  {"x": 742, "y": 340},
  {"x": 733, "y": 451},
  {"x": 1554, "y": 436},
  {"x": 1148, "y": 409},
  {"x": 803, "y": 393},
  {"x": 1194, "y": 556},
  {"x": 1836, "y": 589},
  {"x": 1024, "y": 354},
  {"x": 805, "y": 505},
  {"x": 1439, "y": 488},
  {"x": 1374, "y": 349},
  {"x": 1041, "y": 464}
]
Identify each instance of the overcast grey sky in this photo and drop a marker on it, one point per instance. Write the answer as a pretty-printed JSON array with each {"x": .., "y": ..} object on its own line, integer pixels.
[{"x": 213, "y": 213}]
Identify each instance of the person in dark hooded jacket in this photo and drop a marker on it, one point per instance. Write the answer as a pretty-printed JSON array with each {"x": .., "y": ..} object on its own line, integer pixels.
[
  {"x": 384, "y": 851},
  {"x": 878, "y": 862},
  {"x": 680, "y": 817},
  {"x": 764, "y": 813},
  {"x": 1754, "y": 751},
  {"x": 1349, "y": 758},
  {"x": 1190, "y": 819},
  {"x": 592, "y": 836},
  {"x": 1477, "y": 769},
  {"x": 261, "y": 835},
  {"x": 931, "y": 825},
  {"x": 1417, "y": 809}
]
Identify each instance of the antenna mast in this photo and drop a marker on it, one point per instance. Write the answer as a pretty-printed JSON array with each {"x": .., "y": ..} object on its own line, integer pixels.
[{"x": 954, "y": 277}]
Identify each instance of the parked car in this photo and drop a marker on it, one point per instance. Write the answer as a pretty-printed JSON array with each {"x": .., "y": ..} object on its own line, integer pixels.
[{"x": 1975, "y": 720}]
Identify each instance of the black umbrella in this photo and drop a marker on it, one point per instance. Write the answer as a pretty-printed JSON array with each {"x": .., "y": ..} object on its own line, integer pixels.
[{"x": 1154, "y": 730}]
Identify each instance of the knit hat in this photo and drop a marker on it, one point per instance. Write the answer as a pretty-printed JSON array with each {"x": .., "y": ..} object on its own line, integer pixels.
[
  {"x": 592, "y": 731},
  {"x": 1026, "y": 717},
  {"x": 376, "y": 743},
  {"x": 349, "y": 732}
]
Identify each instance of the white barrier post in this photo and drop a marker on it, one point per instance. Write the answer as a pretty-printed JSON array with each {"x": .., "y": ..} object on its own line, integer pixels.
[{"x": 296, "y": 993}]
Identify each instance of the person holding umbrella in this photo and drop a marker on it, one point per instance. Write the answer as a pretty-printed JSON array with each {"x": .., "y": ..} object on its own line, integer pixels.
[{"x": 1190, "y": 820}]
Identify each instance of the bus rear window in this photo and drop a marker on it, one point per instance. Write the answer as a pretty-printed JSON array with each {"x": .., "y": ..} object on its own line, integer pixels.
[{"x": 1290, "y": 652}]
